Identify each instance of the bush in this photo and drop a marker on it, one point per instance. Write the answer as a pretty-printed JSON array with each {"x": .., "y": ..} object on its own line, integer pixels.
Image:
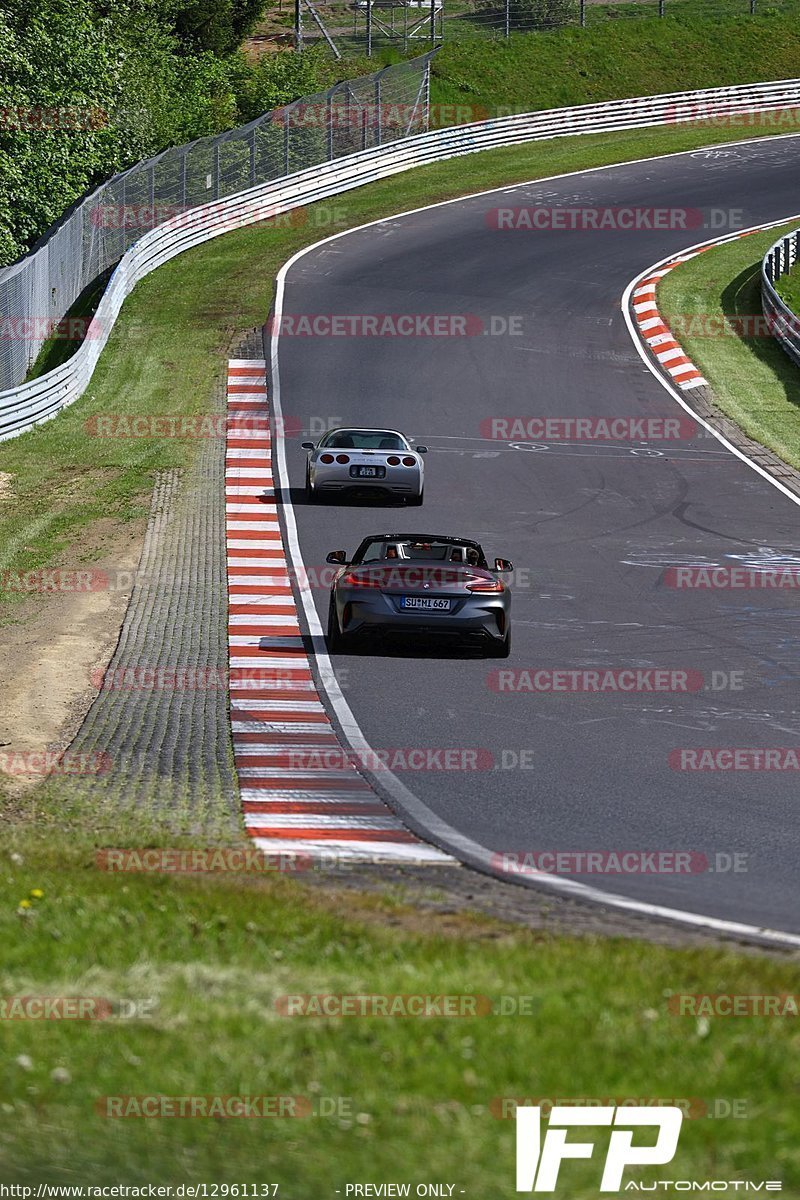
[{"x": 88, "y": 88}]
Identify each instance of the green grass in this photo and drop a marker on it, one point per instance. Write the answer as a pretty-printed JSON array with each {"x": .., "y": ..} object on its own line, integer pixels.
[
  {"x": 167, "y": 350},
  {"x": 788, "y": 288},
  {"x": 214, "y": 954},
  {"x": 753, "y": 381},
  {"x": 411, "y": 1097},
  {"x": 612, "y": 59}
]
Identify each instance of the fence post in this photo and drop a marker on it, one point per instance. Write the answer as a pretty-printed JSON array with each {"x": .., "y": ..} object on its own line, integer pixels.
[
  {"x": 298, "y": 26},
  {"x": 329, "y": 122},
  {"x": 583, "y": 14},
  {"x": 752, "y": 8},
  {"x": 253, "y": 157},
  {"x": 427, "y": 92},
  {"x": 286, "y": 140},
  {"x": 433, "y": 22},
  {"x": 507, "y": 17},
  {"x": 369, "y": 28},
  {"x": 377, "y": 106},
  {"x": 661, "y": 7}
]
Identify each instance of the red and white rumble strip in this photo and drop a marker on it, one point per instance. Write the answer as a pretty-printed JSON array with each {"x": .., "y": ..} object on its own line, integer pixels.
[
  {"x": 657, "y": 334},
  {"x": 654, "y": 330},
  {"x": 276, "y": 713}
]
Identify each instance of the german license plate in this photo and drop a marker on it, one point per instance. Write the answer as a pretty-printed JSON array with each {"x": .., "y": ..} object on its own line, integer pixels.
[
  {"x": 367, "y": 472},
  {"x": 425, "y": 603}
]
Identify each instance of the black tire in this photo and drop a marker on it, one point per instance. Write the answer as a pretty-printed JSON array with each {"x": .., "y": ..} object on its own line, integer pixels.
[
  {"x": 416, "y": 501},
  {"x": 337, "y": 641},
  {"x": 500, "y": 649},
  {"x": 310, "y": 493}
]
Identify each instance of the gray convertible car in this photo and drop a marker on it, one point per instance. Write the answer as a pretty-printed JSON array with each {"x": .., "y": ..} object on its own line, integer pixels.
[{"x": 421, "y": 584}]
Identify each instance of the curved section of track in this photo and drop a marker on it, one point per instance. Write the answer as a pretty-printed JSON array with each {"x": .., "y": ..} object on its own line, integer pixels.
[{"x": 591, "y": 525}]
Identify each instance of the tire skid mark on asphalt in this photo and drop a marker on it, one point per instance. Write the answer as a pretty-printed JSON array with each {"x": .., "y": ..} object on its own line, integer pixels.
[{"x": 299, "y": 793}]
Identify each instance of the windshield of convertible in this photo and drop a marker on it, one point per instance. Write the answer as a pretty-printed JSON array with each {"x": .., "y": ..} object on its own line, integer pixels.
[
  {"x": 364, "y": 439},
  {"x": 394, "y": 550}
]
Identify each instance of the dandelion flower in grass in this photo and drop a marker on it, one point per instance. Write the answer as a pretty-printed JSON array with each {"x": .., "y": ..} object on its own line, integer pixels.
[
  {"x": 37, "y": 893},
  {"x": 24, "y": 904}
]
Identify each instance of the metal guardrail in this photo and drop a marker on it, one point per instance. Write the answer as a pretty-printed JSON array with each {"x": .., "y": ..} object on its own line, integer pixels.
[
  {"x": 784, "y": 325},
  {"x": 37, "y": 291},
  {"x": 23, "y": 406}
]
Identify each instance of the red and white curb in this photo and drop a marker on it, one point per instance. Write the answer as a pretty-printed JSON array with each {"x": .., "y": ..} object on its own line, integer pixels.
[
  {"x": 653, "y": 329},
  {"x": 280, "y": 728}
]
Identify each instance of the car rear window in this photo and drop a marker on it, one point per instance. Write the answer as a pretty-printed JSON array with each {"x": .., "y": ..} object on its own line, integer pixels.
[{"x": 356, "y": 439}]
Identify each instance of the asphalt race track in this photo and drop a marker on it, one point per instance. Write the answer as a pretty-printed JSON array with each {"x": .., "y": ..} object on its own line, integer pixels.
[{"x": 590, "y": 526}]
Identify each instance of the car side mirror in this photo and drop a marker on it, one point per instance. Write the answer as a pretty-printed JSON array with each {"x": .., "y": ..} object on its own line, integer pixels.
[
  {"x": 422, "y": 449},
  {"x": 307, "y": 446},
  {"x": 337, "y": 556},
  {"x": 503, "y": 564}
]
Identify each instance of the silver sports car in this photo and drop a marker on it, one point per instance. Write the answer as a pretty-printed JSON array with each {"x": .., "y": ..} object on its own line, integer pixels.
[
  {"x": 378, "y": 460},
  {"x": 419, "y": 583}
]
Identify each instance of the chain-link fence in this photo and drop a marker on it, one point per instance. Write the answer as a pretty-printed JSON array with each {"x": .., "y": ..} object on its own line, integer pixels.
[
  {"x": 365, "y": 25},
  {"x": 37, "y": 292}
]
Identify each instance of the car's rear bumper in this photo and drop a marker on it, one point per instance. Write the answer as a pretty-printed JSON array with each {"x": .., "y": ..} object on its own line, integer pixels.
[
  {"x": 487, "y": 619},
  {"x": 398, "y": 481}
]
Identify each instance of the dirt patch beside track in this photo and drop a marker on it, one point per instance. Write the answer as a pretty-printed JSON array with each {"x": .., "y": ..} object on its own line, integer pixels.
[{"x": 55, "y": 646}]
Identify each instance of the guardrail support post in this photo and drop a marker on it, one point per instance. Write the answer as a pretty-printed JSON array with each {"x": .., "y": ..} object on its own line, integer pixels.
[
  {"x": 661, "y": 7},
  {"x": 507, "y": 16},
  {"x": 583, "y": 14}
]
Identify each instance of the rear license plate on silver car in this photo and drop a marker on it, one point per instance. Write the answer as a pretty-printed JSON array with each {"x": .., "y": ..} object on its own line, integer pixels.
[
  {"x": 367, "y": 472},
  {"x": 425, "y": 602}
]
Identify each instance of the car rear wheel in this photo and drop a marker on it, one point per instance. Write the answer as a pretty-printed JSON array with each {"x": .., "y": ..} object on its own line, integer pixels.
[
  {"x": 310, "y": 493},
  {"x": 500, "y": 649},
  {"x": 415, "y": 501},
  {"x": 338, "y": 642}
]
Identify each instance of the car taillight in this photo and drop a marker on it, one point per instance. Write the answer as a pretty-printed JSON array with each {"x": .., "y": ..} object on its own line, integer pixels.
[
  {"x": 408, "y": 461},
  {"x": 486, "y": 585},
  {"x": 326, "y": 458},
  {"x": 342, "y": 458},
  {"x": 351, "y": 579},
  {"x": 393, "y": 460}
]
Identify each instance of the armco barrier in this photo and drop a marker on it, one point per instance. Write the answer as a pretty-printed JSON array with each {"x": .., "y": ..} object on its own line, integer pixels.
[
  {"x": 783, "y": 323},
  {"x": 92, "y": 236},
  {"x": 25, "y": 405}
]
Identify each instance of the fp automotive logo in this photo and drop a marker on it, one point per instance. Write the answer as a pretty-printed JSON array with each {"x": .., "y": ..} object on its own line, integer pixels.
[{"x": 539, "y": 1160}]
